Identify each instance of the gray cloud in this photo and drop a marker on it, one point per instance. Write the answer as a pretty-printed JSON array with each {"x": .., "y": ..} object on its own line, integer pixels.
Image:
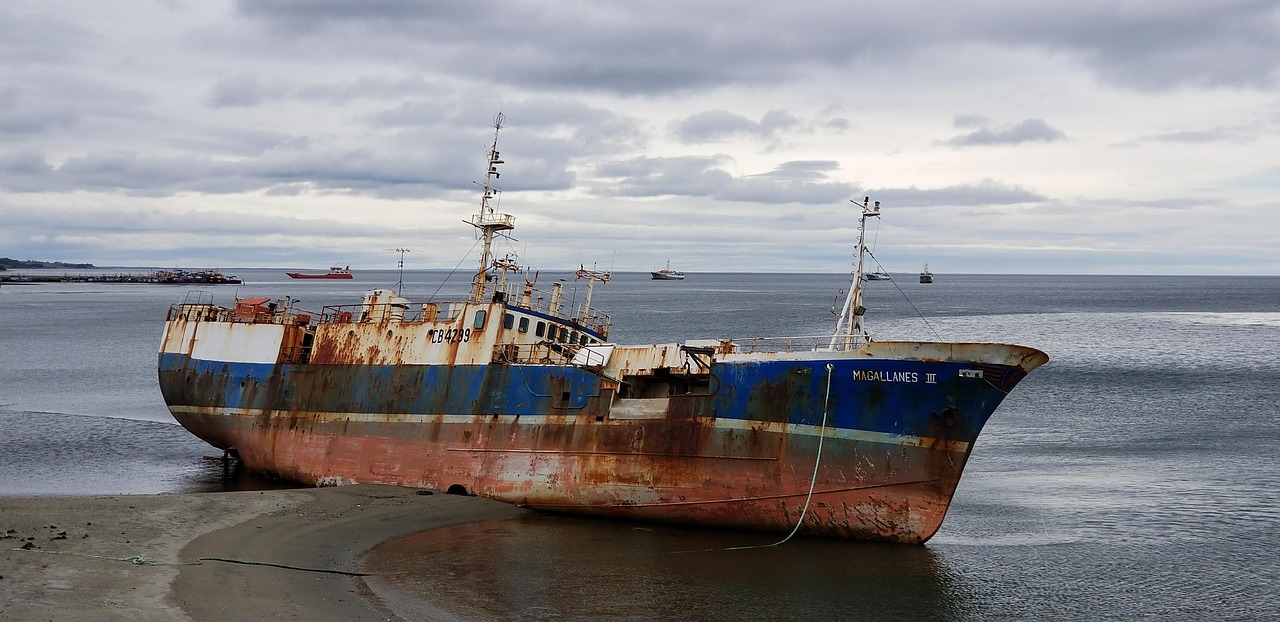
[
  {"x": 1028, "y": 130},
  {"x": 31, "y": 121},
  {"x": 46, "y": 40},
  {"x": 1204, "y": 136},
  {"x": 1228, "y": 43},
  {"x": 624, "y": 118},
  {"x": 791, "y": 182},
  {"x": 130, "y": 173},
  {"x": 85, "y": 219},
  {"x": 633, "y": 48},
  {"x": 966, "y": 121},
  {"x": 714, "y": 125},
  {"x": 238, "y": 90},
  {"x": 985, "y": 192}
]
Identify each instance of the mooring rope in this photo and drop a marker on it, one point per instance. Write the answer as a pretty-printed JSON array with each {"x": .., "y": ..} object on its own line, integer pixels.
[
  {"x": 143, "y": 560},
  {"x": 813, "y": 481}
]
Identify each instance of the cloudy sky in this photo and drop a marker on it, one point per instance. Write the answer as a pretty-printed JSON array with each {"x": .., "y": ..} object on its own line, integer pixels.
[{"x": 1107, "y": 137}]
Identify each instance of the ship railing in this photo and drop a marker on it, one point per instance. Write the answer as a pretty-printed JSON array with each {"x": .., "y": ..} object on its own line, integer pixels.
[
  {"x": 421, "y": 312},
  {"x": 199, "y": 312},
  {"x": 516, "y": 295},
  {"x": 543, "y": 353},
  {"x": 595, "y": 321},
  {"x": 267, "y": 314},
  {"x": 505, "y": 221},
  {"x": 199, "y": 308},
  {"x": 811, "y": 343}
]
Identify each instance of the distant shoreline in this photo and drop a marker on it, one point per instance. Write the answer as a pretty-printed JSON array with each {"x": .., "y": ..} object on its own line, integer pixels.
[
  {"x": 18, "y": 264},
  {"x": 176, "y": 276}
]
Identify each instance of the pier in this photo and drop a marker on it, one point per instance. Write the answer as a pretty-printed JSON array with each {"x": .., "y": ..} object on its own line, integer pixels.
[{"x": 175, "y": 276}]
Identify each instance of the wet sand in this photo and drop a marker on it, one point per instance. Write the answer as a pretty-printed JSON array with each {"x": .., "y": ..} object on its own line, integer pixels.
[{"x": 280, "y": 554}]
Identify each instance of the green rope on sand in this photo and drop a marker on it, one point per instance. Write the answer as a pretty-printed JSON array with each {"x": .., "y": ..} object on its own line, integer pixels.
[
  {"x": 229, "y": 560},
  {"x": 143, "y": 560}
]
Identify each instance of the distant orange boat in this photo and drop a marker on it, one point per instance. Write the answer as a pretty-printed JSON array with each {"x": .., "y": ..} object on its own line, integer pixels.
[{"x": 334, "y": 273}]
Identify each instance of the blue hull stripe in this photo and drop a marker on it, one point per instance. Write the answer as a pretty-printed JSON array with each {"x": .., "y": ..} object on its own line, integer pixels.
[{"x": 897, "y": 398}]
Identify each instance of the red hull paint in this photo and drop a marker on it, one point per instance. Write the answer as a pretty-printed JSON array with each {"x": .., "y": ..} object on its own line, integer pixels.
[
  {"x": 299, "y": 275},
  {"x": 334, "y": 272},
  {"x": 901, "y": 495}
]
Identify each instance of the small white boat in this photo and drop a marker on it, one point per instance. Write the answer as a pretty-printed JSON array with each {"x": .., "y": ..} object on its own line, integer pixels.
[
  {"x": 878, "y": 275},
  {"x": 667, "y": 274},
  {"x": 925, "y": 275}
]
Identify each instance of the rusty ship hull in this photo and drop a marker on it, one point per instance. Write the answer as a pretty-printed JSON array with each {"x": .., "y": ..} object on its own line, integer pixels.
[{"x": 514, "y": 395}]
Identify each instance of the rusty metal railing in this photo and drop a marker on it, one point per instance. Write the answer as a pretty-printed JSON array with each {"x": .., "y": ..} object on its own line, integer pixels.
[
  {"x": 423, "y": 312},
  {"x": 199, "y": 312},
  {"x": 204, "y": 312},
  {"x": 811, "y": 343},
  {"x": 542, "y": 353}
]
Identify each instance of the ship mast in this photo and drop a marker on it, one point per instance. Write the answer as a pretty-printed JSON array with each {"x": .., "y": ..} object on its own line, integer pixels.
[
  {"x": 593, "y": 275},
  {"x": 849, "y": 328},
  {"x": 487, "y": 221}
]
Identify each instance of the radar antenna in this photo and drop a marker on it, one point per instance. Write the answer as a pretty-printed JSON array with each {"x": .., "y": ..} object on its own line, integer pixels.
[{"x": 400, "y": 265}]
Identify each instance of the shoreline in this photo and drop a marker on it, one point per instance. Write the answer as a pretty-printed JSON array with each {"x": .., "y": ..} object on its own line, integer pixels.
[{"x": 292, "y": 554}]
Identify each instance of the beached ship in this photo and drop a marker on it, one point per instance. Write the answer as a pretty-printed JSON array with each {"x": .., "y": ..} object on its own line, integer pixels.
[
  {"x": 511, "y": 395},
  {"x": 334, "y": 273}
]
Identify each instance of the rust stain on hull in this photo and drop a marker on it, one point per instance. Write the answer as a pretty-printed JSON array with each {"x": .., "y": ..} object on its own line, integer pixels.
[{"x": 589, "y": 468}]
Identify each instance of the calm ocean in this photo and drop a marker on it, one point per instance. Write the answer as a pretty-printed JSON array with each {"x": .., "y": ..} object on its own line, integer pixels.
[{"x": 1134, "y": 476}]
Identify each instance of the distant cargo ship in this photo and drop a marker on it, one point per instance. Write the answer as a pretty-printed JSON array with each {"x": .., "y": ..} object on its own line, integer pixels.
[
  {"x": 513, "y": 395},
  {"x": 334, "y": 273}
]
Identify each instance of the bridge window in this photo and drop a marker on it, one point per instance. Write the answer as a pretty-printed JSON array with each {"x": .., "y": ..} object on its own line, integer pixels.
[
  {"x": 542, "y": 329},
  {"x": 508, "y": 320},
  {"x": 524, "y": 324},
  {"x": 480, "y": 317}
]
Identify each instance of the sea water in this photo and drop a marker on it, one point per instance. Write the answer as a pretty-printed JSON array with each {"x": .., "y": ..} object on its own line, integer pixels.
[{"x": 1133, "y": 476}]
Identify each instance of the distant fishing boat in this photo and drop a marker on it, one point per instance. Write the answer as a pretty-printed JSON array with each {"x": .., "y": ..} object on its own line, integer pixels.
[
  {"x": 879, "y": 275},
  {"x": 925, "y": 275},
  {"x": 519, "y": 395},
  {"x": 334, "y": 273},
  {"x": 667, "y": 274}
]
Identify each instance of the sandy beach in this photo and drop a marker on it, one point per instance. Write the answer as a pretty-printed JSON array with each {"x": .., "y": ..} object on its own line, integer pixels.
[{"x": 279, "y": 555}]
